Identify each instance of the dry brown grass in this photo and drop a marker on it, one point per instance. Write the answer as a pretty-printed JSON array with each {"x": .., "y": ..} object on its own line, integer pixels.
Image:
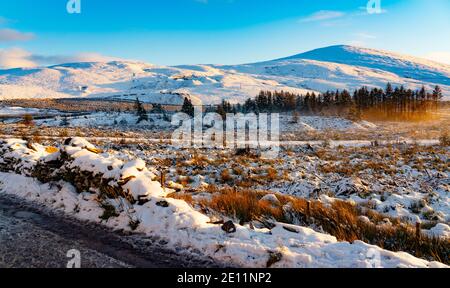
[
  {"x": 225, "y": 176},
  {"x": 199, "y": 160},
  {"x": 272, "y": 174},
  {"x": 182, "y": 196},
  {"x": 244, "y": 206},
  {"x": 340, "y": 219},
  {"x": 444, "y": 140},
  {"x": 185, "y": 180}
]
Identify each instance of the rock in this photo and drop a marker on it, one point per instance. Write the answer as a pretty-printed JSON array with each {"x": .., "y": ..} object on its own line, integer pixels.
[
  {"x": 216, "y": 221},
  {"x": 229, "y": 227},
  {"x": 441, "y": 175},
  {"x": 290, "y": 229},
  {"x": 364, "y": 219},
  {"x": 350, "y": 186},
  {"x": 274, "y": 257},
  {"x": 177, "y": 187},
  {"x": 163, "y": 204},
  {"x": 124, "y": 181},
  {"x": 272, "y": 199},
  {"x": 142, "y": 200}
]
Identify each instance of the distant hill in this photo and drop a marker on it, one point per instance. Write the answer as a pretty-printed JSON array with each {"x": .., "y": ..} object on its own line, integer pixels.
[{"x": 330, "y": 68}]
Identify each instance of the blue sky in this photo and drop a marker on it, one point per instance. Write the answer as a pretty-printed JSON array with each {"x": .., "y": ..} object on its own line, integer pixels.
[{"x": 215, "y": 31}]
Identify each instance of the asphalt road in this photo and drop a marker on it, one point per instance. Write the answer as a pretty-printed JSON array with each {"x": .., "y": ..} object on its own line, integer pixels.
[{"x": 34, "y": 237}]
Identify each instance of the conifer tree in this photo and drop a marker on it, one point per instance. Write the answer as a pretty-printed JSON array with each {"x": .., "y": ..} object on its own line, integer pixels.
[
  {"x": 140, "y": 111},
  {"x": 188, "y": 108}
]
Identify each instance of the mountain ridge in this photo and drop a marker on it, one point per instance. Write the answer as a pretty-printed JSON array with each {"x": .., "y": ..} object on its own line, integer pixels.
[{"x": 329, "y": 68}]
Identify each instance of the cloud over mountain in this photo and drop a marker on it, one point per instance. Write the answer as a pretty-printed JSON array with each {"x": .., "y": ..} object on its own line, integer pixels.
[
  {"x": 21, "y": 58},
  {"x": 10, "y": 35}
]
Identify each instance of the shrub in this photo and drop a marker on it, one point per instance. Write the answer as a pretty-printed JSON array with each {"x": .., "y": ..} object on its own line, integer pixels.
[
  {"x": 109, "y": 211},
  {"x": 444, "y": 140},
  {"x": 28, "y": 120},
  {"x": 225, "y": 176}
]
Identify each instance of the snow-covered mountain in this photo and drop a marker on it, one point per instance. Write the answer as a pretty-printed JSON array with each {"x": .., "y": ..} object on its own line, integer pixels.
[
  {"x": 330, "y": 68},
  {"x": 156, "y": 84},
  {"x": 349, "y": 67},
  {"x": 401, "y": 65}
]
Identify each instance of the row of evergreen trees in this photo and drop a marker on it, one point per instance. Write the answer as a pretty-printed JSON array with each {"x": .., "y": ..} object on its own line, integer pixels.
[{"x": 393, "y": 103}]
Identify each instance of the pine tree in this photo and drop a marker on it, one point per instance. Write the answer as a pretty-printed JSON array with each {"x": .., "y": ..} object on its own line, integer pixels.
[
  {"x": 437, "y": 93},
  {"x": 188, "y": 108},
  {"x": 140, "y": 111}
]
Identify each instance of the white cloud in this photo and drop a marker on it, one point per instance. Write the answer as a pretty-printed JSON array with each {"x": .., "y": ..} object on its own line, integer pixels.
[
  {"x": 97, "y": 57},
  {"x": 439, "y": 56},
  {"x": 7, "y": 35},
  {"x": 20, "y": 58},
  {"x": 15, "y": 57},
  {"x": 322, "y": 15},
  {"x": 363, "y": 35},
  {"x": 81, "y": 57}
]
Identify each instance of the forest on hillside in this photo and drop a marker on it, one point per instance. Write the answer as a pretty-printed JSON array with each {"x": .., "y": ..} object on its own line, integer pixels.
[{"x": 389, "y": 104}]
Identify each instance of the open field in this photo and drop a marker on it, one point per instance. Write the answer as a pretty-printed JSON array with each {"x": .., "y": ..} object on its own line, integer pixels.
[{"x": 375, "y": 183}]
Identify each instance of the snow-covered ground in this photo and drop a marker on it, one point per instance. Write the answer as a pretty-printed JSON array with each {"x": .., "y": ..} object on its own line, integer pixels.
[
  {"x": 163, "y": 122},
  {"x": 179, "y": 224},
  {"x": 405, "y": 181},
  {"x": 107, "y": 119},
  {"x": 330, "y": 68},
  {"x": 313, "y": 123},
  {"x": 19, "y": 111}
]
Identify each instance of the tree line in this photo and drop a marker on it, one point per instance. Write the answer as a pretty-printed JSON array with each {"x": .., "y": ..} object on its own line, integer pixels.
[{"x": 390, "y": 103}]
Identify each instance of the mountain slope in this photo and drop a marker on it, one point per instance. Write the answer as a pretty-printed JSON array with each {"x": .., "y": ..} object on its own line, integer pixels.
[
  {"x": 402, "y": 65},
  {"x": 330, "y": 68},
  {"x": 348, "y": 67},
  {"x": 127, "y": 80}
]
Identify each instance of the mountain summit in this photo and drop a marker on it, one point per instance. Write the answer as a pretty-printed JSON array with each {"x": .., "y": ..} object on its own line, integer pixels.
[{"x": 402, "y": 65}]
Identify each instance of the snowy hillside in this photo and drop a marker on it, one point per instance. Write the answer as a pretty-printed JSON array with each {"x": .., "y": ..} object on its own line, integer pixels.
[
  {"x": 336, "y": 67},
  {"x": 401, "y": 65},
  {"x": 155, "y": 84},
  {"x": 348, "y": 67}
]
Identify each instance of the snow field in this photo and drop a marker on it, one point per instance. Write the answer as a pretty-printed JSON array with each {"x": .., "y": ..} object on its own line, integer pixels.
[{"x": 174, "y": 220}]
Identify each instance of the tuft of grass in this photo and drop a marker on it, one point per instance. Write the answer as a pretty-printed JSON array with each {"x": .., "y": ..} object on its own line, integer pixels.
[
  {"x": 340, "y": 219},
  {"x": 182, "y": 196},
  {"x": 444, "y": 140},
  {"x": 225, "y": 176},
  {"x": 109, "y": 211},
  {"x": 134, "y": 224},
  {"x": 272, "y": 174},
  {"x": 27, "y": 120},
  {"x": 244, "y": 206}
]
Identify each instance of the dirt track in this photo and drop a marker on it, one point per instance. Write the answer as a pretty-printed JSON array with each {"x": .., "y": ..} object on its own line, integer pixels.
[{"x": 33, "y": 237}]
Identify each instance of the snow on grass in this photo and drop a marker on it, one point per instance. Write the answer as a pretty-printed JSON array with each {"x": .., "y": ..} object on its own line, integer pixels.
[
  {"x": 104, "y": 119},
  {"x": 18, "y": 111},
  {"x": 313, "y": 123},
  {"x": 182, "y": 226}
]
